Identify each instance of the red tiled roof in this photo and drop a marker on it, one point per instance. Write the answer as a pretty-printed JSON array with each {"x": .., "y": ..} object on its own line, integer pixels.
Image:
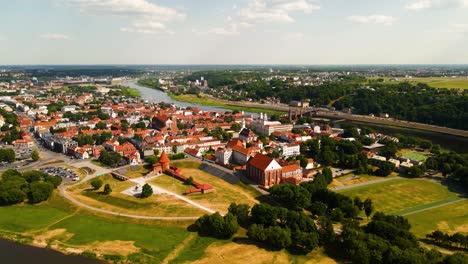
[
  {"x": 260, "y": 161},
  {"x": 163, "y": 158}
]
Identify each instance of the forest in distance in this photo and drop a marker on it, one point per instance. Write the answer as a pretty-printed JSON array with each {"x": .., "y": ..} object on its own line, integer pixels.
[{"x": 411, "y": 102}]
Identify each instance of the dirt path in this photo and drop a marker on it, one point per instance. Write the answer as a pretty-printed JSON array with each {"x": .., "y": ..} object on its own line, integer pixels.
[
  {"x": 433, "y": 207},
  {"x": 66, "y": 195},
  {"x": 178, "y": 249}
]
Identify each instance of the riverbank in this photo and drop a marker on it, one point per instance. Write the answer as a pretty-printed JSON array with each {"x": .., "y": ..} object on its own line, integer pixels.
[
  {"x": 230, "y": 105},
  {"x": 61, "y": 226}
]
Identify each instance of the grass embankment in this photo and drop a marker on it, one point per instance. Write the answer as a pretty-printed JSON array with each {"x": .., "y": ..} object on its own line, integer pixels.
[
  {"x": 207, "y": 101},
  {"x": 436, "y": 82},
  {"x": 239, "y": 250},
  {"x": 402, "y": 196},
  {"x": 449, "y": 218},
  {"x": 219, "y": 199},
  {"x": 59, "y": 225},
  {"x": 156, "y": 205}
]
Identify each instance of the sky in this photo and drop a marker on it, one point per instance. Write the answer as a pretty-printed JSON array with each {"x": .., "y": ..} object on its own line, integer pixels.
[{"x": 234, "y": 32}]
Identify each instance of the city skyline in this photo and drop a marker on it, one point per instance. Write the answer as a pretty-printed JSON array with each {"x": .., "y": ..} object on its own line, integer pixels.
[{"x": 234, "y": 32}]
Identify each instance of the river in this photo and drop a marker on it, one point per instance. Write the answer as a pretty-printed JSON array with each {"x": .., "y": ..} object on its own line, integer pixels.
[
  {"x": 446, "y": 141},
  {"x": 15, "y": 253},
  {"x": 158, "y": 96}
]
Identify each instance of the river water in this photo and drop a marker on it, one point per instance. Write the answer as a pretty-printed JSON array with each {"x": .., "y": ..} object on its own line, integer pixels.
[
  {"x": 158, "y": 96},
  {"x": 14, "y": 253},
  {"x": 454, "y": 143}
]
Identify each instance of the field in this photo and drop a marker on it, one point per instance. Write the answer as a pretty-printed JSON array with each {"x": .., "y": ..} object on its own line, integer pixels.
[
  {"x": 156, "y": 205},
  {"x": 449, "y": 218},
  {"x": 223, "y": 195},
  {"x": 436, "y": 82},
  {"x": 59, "y": 225},
  {"x": 415, "y": 156},
  {"x": 239, "y": 250},
  {"x": 190, "y": 98},
  {"x": 402, "y": 196}
]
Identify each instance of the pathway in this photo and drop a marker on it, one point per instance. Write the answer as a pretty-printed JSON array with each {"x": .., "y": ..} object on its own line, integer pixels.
[
  {"x": 433, "y": 207},
  {"x": 158, "y": 190},
  {"x": 66, "y": 195}
]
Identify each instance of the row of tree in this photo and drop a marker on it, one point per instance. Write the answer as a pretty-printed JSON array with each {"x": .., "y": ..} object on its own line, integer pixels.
[{"x": 458, "y": 239}]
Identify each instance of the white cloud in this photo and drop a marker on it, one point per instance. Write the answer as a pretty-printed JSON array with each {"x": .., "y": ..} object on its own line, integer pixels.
[
  {"x": 295, "y": 36},
  {"x": 276, "y": 10},
  {"x": 55, "y": 36},
  {"x": 229, "y": 30},
  {"x": 435, "y": 4},
  {"x": 147, "y": 27},
  {"x": 373, "y": 19},
  {"x": 129, "y": 8},
  {"x": 149, "y": 18},
  {"x": 460, "y": 28}
]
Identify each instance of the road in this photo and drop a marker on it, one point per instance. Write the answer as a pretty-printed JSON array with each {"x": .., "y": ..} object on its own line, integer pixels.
[
  {"x": 321, "y": 112},
  {"x": 392, "y": 122}
]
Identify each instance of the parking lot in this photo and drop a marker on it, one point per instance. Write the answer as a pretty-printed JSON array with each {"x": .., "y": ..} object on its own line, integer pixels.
[{"x": 67, "y": 174}]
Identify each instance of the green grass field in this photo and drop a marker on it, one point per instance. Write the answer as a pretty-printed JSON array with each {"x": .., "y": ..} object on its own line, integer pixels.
[
  {"x": 23, "y": 218},
  {"x": 403, "y": 195},
  {"x": 449, "y": 218},
  {"x": 436, "y": 82},
  {"x": 153, "y": 240},
  {"x": 415, "y": 156}
]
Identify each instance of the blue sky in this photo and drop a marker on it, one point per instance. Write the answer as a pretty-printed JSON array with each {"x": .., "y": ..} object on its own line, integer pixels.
[{"x": 234, "y": 32}]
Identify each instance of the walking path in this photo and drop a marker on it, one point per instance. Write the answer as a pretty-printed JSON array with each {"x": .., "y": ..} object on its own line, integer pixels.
[
  {"x": 158, "y": 190},
  {"x": 433, "y": 207},
  {"x": 66, "y": 195}
]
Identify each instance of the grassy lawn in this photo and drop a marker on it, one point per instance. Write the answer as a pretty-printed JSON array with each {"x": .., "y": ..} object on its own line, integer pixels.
[
  {"x": 153, "y": 240},
  {"x": 207, "y": 101},
  {"x": 156, "y": 205},
  {"x": 22, "y": 218},
  {"x": 415, "y": 156},
  {"x": 436, "y": 82},
  {"x": 201, "y": 250},
  {"x": 402, "y": 195},
  {"x": 349, "y": 180},
  {"x": 450, "y": 218},
  {"x": 136, "y": 173},
  {"x": 223, "y": 195}
]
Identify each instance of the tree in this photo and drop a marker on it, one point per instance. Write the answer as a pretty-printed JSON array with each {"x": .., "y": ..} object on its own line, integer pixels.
[
  {"x": 35, "y": 155},
  {"x": 385, "y": 168},
  {"x": 40, "y": 191},
  {"x": 368, "y": 207},
  {"x": 96, "y": 183},
  {"x": 415, "y": 171},
  {"x": 146, "y": 191},
  {"x": 328, "y": 175},
  {"x": 236, "y": 127},
  {"x": 189, "y": 181},
  {"x": 241, "y": 212},
  {"x": 107, "y": 189}
]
